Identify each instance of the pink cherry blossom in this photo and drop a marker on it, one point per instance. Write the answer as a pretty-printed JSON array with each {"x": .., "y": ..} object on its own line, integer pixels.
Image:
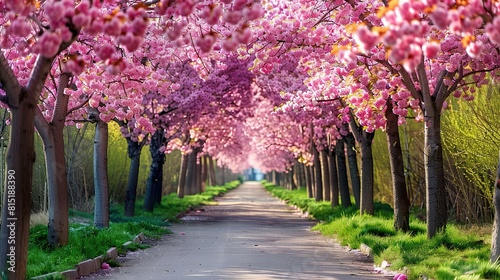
[
  {"x": 105, "y": 265},
  {"x": 48, "y": 44},
  {"x": 474, "y": 49},
  {"x": 431, "y": 49},
  {"x": 365, "y": 38}
]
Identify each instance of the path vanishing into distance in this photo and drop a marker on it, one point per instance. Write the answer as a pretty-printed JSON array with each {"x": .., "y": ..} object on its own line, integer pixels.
[{"x": 248, "y": 235}]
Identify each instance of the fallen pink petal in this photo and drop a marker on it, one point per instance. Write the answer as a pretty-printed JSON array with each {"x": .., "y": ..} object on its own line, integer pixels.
[{"x": 105, "y": 265}]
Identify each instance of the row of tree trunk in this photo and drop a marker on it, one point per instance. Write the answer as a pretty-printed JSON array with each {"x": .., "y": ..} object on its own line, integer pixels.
[
  {"x": 332, "y": 176},
  {"x": 334, "y": 172}
]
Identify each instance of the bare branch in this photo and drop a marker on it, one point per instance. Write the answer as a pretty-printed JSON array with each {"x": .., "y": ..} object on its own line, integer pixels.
[{"x": 79, "y": 106}]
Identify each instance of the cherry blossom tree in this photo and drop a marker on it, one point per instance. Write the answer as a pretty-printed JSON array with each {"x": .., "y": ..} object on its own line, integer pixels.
[
  {"x": 413, "y": 53},
  {"x": 433, "y": 50},
  {"x": 42, "y": 31}
]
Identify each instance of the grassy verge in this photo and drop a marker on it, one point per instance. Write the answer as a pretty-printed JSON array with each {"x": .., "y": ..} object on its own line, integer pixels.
[
  {"x": 86, "y": 241},
  {"x": 458, "y": 253}
]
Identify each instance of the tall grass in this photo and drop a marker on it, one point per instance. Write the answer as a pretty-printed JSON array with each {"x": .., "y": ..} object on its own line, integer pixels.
[
  {"x": 40, "y": 218},
  {"x": 457, "y": 253}
]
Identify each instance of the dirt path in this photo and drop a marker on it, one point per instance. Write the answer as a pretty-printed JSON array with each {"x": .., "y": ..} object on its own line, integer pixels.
[{"x": 248, "y": 235}]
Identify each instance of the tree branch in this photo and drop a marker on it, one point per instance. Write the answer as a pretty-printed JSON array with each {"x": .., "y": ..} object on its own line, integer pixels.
[
  {"x": 61, "y": 106},
  {"x": 408, "y": 81},
  {"x": 424, "y": 88},
  {"x": 79, "y": 106},
  {"x": 43, "y": 65},
  {"x": 9, "y": 83},
  {"x": 440, "y": 91},
  {"x": 42, "y": 125}
]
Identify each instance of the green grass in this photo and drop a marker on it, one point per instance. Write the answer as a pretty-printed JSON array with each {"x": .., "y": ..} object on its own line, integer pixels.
[
  {"x": 86, "y": 241},
  {"x": 457, "y": 253}
]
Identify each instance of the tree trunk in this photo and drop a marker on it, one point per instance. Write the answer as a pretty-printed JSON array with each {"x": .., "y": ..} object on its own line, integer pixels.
[
  {"x": 284, "y": 180},
  {"x": 16, "y": 208},
  {"x": 222, "y": 175},
  {"x": 22, "y": 102},
  {"x": 313, "y": 180},
  {"x": 299, "y": 175},
  {"x": 181, "y": 187},
  {"x": 325, "y": 174},
  {"x": 159, "y": 182},
  {"x": 293, "y": 179},
  {"x": 401, "y": 201},
  {"x": 495, "y": 238},
  {"x": 318, "y": 182},
  {"x": 307, "y": 172},
  {"x": 365, "y": 140},
  {"x": 198, "y": 169},
  {"x": 191, "y": 174},
  {"x": 212, "y": 177},
  {"x": 204, "y": 172},
  {"x": 345, "y": 197},
  {"x": 101, "y": 207},
  {"x": 55, "y": 162},
  {"x": 154, "y": 179},
  {"x": 352, "y": 159},
  {"x": 366, "y": 206},
  {"x": 434, "y": 175},
  {"x": 334, "y": 180},
  {"x": 432, "y": 104},
  {"x": 134, "y": 153}
]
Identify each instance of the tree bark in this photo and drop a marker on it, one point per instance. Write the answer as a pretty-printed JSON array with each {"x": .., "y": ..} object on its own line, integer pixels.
[
  {"x": 400, "y": 193},
  {"x": 222, "y": 175},
  {"x": 204, "y": 172},
  {"x": 293, "y": 179},
  {"x": 101, "y": 206},
  {"x": 325, "y": 174},
  {"x": 181, "y": 187},
  {"x": 352, "y": 159},
  {"x": 159, "y": 182},
  {"x": 345, "y": 197},
  {"x": 495, "y": 238},
  {"x": 308, "y": 175},
  {"x": 22, "y": 102},
  {"x": 366, "y": 206},
  {"x": 365, "y": 140},
  {"x": 191, "y": 174},
  {"x": 334, "y": 180},
  {"x": 55, "y": 162},
  {"x": 434, "y": 176},
  {"x": 432, "y": 104},
  {"x": 134, "y": 153},
  {"x": 318, "y": 182},
  {"x": 17, "y": 196},
  {"x": 154, "y": 180},
  {"x": 198, "y": 169},
  {"x": 212, "y": 177},
  {"x": 299, "y": 175}
]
